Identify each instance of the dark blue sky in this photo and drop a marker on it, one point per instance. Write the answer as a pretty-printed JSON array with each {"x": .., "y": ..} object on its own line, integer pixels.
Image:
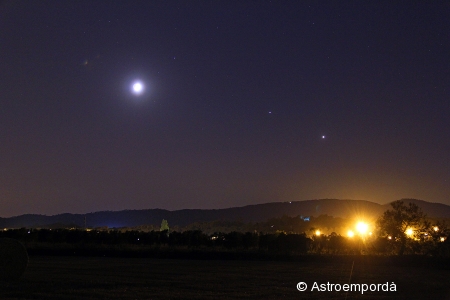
[{"x": 238, "y": 95}]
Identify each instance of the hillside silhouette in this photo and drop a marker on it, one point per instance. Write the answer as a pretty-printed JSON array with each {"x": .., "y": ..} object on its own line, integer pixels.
[{"x": 249, "y": 213}]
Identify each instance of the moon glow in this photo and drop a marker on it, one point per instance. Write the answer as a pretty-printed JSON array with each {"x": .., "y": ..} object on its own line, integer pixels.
[{"x": 137, "y": 88}]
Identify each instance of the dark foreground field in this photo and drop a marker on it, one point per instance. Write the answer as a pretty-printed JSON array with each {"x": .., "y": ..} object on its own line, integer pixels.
[{"x": 53, "y": 277}]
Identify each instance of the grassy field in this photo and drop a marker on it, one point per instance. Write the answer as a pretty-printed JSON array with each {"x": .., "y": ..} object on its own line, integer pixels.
[{"x": 64, "y": 277}]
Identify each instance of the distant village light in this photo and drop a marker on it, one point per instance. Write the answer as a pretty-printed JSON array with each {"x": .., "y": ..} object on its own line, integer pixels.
[
  {"x": 318, "y": 232},
  {"x": 409, "y": 232},
  {"x": 362, "y": 227}
]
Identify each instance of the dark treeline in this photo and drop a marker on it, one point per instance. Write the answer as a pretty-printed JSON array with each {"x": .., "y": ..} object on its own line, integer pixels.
[
  {"x": 94, "y": 242},
  {"x": 32, "y": 238},
  {"x": 297, "y": 225}
]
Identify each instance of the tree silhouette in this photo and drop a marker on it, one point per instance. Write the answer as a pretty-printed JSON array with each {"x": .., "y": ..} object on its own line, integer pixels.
[{"x": 402, "y": 223}]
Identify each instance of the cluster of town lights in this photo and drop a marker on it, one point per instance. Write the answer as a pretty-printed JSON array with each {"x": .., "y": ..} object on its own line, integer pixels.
[
  {"x": 410, "y": 232},
  {"x": 362, "y": 229}
]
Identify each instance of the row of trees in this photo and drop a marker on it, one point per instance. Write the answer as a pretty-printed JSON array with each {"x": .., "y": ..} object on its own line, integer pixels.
[
  {"x": 274, "y": 243},
  {"x": 287, "y": 224},
  {"x": 286, "y": 243},
  {"x": 407, "y": 229}
]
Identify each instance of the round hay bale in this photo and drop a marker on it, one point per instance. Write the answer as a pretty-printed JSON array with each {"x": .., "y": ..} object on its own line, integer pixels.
[{"x": 13, "y": 259}]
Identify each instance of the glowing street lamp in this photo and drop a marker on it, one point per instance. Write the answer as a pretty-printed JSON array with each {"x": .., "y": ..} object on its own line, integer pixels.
[
  {"x": 409, "y": 232},
  {"x": 317, "y": 232},
  {"x": 362, "y": 227},
  {"x": 350, "y": 234},
  {"x": 435, "y": 228}
]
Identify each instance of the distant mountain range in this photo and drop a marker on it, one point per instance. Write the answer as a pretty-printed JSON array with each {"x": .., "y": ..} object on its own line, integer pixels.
[{"x": 249, "y": 213}]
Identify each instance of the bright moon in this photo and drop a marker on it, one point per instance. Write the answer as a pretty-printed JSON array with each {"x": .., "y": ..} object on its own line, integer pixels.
[{"x": 138, "y": 88}]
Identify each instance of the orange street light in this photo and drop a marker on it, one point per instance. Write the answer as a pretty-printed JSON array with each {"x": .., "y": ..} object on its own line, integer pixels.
[
  {"x": 362, "y": 227},
  {"x": 409, "y": 232}
]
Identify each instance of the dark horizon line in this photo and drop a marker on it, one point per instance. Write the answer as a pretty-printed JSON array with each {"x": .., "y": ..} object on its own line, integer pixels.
[{"x": 224, "y": 208}]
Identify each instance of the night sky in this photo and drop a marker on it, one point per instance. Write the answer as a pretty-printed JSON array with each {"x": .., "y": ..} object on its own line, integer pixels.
[{"x": 243, "y": 102}]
